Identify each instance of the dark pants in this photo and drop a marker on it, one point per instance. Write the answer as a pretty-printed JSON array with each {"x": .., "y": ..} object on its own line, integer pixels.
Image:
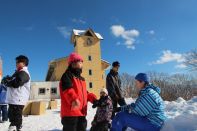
[
  {"x": 15, "y": 115},
  {"x": 74, "y": 123},
  {"x": 115, "y": 103},
  {"x": 100, "y": 126},
  {"x": 4, "y": 112}
]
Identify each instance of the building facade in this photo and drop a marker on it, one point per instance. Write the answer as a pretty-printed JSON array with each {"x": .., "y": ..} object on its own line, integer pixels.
[
  {"x": 44, "y": 90},
  {"x": 87, "y": 44}
]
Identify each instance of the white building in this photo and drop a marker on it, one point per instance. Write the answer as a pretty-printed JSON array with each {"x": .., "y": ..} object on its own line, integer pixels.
[{"x": 44, "y": 90}]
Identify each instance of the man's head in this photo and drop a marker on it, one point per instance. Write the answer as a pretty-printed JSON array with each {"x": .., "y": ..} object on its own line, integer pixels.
[
  {"x": 75, "y": 61},
  {"x": 21, "y": 61},
  {"x": 141, "y": 80},
  {"x": 115, "y": 66}
]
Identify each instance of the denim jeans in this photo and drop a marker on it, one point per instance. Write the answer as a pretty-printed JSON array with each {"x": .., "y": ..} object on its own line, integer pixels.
[{"x": 4, "y": 112}]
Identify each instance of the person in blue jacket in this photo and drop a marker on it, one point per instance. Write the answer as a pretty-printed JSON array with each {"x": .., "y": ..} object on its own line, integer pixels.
[
  {"x": 146, "y": 114},
  {"x": 3, "y": 104}
]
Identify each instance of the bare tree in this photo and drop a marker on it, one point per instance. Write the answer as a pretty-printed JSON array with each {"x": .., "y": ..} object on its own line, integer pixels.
[
  {"x": 172, "y": 86},
  {"x": 191, "y": 60},
  {"x": 128, "y": 84}
]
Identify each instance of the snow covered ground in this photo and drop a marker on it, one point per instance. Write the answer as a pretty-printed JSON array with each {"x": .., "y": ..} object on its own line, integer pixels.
[{"x": 182, "y": 117}]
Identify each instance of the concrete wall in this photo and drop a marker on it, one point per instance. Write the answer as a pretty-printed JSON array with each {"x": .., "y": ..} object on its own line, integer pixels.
[{"x": 48, "y": 87}]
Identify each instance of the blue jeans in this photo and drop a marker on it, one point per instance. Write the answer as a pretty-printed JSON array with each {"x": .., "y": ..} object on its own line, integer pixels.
[
  {"x": 4, "y": 112},
  {"x": 125, "y": 119}
]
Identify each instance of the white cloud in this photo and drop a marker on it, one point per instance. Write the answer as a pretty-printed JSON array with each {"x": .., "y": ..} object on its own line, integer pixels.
[
  {"x": 151, "y": 32},
  {"x": 79, "y": 21},
  {"x": 27, "y": 28},
  {"x": 181, "y": 66},
  {"x": 30, "y": 28},
  {"x": 168, "y": 56},
  {"x": 64, "y": 31},
  {"x": 129, "y": 36},
  {"x": 118, "y": 43}
]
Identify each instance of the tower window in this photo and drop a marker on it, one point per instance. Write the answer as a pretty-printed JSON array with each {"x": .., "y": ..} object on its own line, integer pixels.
[
  {"x": 90, "y": 85},
  {"x": 90, "y": 72},
  {"x": 89, "y": 41},
  {"x": 75, "y": 43},
  {"x": 90, "y": 58}
]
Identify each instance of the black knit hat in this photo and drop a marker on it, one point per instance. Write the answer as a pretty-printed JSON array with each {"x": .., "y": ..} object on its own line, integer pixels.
[
  {"x": 115, "y": 64},
  {"x": 22, "y": 58}
]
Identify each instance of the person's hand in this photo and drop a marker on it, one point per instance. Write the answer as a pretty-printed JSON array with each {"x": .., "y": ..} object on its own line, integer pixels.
[
  {"x": 75, "y": 104},
  {"x": 95, "y": 104},
  {"x": 6, "y": 80},
  {"x": 118, "y": 109}
]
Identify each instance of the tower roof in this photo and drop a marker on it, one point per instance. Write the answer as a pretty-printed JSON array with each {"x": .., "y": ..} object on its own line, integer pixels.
[{"x": 84, "y": 32}]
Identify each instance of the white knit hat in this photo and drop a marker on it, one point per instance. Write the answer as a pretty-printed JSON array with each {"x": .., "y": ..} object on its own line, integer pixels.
[{"x": 104, "y": 90}]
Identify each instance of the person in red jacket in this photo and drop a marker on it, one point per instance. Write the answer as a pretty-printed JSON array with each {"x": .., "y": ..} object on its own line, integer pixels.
[{"x": 74, "y": 96}]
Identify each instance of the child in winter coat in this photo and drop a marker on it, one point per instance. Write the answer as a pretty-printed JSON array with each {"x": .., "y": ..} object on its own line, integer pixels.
[
  {"x": 18, "y": 92},
  {"x": 103, "y": 115},
  {"x": 3, "y": 104},
  {"x": 74, "y": 96},
  {"x": 146, "y": 114}
]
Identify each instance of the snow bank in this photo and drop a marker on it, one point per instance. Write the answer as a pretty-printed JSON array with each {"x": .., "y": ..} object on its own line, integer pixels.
[{"x": 182, "y": 116}]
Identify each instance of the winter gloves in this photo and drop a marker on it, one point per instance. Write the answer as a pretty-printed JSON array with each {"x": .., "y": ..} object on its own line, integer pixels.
[
  {"x": 127, "y": 108},
  {"x": 118, "y": 109},
  {"x": 95, "y": 104},
  {"x": 100, "y": 103},
  {"x": 6, "y": 80}
]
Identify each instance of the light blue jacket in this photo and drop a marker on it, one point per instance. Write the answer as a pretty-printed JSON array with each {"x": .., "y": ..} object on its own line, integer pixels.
[{"x": 149, "y": 104}]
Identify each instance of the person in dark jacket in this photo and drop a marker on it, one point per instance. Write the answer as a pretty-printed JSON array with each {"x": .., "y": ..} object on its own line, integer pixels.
[
  {"x": 146, "y": 114},
  {"x": 113, "y": 84},
  {"x": 74, "y": 96},
  {"x": 103, "y": 115},
  {"x": 3, "y": 104},
  {"x": 18, "y": 92}
]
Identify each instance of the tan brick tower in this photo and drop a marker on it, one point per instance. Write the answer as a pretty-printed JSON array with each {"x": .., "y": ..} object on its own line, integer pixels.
[{"x": 87, "y": 44}]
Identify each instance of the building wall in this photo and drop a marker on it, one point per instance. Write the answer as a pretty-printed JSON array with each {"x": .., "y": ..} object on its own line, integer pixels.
[
  {"x": 61, "y": 67},
  {"x": 85, "y": 50},
  {"x": 48, "y": 86}
]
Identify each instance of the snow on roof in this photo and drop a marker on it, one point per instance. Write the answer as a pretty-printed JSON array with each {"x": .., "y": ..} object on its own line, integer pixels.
[
  {"x": 105, "y": 61},
  {"x": 81, "y": 32}
]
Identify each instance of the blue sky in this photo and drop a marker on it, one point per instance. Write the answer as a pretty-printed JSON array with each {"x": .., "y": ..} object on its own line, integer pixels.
[{"x": 144, "y": 35}]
